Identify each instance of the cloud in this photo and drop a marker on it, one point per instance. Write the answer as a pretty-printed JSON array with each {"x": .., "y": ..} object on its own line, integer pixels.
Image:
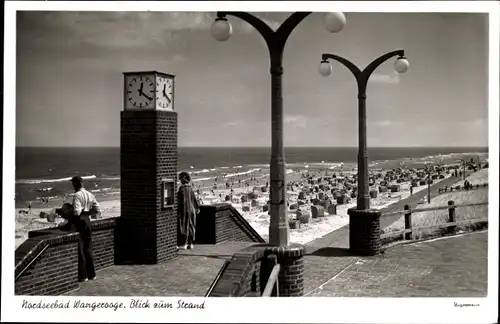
[
  {"x": 272, "y": 23},
  {"x": 233, "y": 123},
  {"x": 479, "y": 122},
  {"x": 385, "y": 123},
  {"x": 385, "y": 78},
  {"x": 179, "y": 58},
  {"x": 165, "y": 21},
  {"x": 72, "y": 30},
  {"x": 296, "y": 121}
]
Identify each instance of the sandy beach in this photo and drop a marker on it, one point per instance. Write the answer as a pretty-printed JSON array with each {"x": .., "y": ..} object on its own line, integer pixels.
[{"x": 216, "y": 192}]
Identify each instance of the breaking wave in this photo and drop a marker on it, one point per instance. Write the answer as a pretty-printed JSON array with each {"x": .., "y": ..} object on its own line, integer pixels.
[{"x": 38, "y": 181}]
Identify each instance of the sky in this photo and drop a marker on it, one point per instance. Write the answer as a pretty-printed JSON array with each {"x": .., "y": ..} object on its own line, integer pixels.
[{"x": 69, "y": 83}]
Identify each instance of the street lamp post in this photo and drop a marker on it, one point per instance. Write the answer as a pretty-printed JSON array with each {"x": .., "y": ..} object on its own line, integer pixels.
[
  {"x": 364, "y": 238},
  {"x": 428, "y": 169},
  {"x": 279, "y": 231},
  {"x": 221, "y": 30}
]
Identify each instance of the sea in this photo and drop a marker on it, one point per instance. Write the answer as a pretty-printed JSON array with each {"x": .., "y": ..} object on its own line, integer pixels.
[{"x": 44, "y": 172}]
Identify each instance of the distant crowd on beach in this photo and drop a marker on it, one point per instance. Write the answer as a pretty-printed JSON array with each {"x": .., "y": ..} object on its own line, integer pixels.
[{"x": 230, "y": 183}]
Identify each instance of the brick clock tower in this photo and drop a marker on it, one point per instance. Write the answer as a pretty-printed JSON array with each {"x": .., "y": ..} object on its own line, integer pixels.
[{"x": 147, "y": 228}]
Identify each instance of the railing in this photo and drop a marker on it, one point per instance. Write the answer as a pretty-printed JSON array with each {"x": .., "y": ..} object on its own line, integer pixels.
[
  {"x": 462, "y": 188},
  {"x": 444, "y": 225},
  {"x": 451, "y": 225},
  {"x": 406, "y": 211},
  {"x": 217, "y": 278},
  {"x": 31, "y": 262},
  {"x": 272, "y": 282}
]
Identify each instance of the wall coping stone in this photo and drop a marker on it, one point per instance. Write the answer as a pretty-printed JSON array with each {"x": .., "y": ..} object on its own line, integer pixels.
[
  {"x": 217, "y": 206},
  {"x": 291, "y": 251},
  {"x": 101, "y": 224}
]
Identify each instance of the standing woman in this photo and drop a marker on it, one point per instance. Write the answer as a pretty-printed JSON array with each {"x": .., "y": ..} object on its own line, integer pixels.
[{"x": 187, "y": 209}]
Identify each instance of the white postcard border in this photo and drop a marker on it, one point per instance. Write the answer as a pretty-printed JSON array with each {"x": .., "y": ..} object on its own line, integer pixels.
[{"x": 361, "y": 310}]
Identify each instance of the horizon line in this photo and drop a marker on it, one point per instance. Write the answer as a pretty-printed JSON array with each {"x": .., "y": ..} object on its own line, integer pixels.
[{"x": 268, "y": 147}]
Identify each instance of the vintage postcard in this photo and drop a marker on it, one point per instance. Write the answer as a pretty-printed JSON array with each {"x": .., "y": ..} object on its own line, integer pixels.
[{"x": 160, "y": 154}]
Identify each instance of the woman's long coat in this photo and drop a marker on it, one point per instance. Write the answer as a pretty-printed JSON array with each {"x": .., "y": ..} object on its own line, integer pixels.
[{"x": 187, "y": 209}]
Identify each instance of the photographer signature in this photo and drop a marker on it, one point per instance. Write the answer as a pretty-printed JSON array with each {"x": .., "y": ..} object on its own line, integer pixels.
[{"x": 464, "y": 305}]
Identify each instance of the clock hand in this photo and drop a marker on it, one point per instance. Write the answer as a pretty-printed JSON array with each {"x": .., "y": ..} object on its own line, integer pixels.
[
  {"x": 165, "y": 94},
  {"x": 146, "y": 96},
  {"x": 143, "y": 94},
  {"x": 140, "y": 89}
]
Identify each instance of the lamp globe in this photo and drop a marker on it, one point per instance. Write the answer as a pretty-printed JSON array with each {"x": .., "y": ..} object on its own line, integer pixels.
[
  {"x": 334, "y": 21},
  {"x": 221, "y": 29}
]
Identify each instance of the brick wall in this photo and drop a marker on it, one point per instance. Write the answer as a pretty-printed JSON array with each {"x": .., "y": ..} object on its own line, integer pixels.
[
  {"x": 242, "y": 275},
  {"x": 47, "y": 265},
  {"x": 103, "y": 240},
  {"x": 147, "y": 233},
  {"x": 166, "y": 160},
  {"x": 51, "y": 256},
  {"x": 222, "y": 222}
]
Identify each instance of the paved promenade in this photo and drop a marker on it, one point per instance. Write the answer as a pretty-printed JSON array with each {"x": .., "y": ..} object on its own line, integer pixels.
[
  {"x": 446, "y": 267},
  {"x": 189, "y": 274}
]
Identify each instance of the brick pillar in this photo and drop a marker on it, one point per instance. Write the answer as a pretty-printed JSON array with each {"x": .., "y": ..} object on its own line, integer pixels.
[
  {"x": 146, "y": 233},
  {"x": 364, "y": 231},
  {"x": 291, "y": 276}
]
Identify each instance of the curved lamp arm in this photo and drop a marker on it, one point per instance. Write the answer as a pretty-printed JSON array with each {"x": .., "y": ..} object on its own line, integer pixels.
[
  {"x": 289, "y": 25},
  {"x": 353, "y": 68},
  {"x": 275, "y": 40},
  {"x": 258, "y": 24},
  {"x": 375, "y": 64}
]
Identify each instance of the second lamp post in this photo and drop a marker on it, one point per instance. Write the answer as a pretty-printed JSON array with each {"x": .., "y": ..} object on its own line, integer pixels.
[{"x": 364, "y": 223}]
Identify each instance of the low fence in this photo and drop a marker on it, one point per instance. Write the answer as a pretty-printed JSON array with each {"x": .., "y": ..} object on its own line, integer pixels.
[
  {"x": 448, "y": 222},
  {"x": 462, "y": 188}
]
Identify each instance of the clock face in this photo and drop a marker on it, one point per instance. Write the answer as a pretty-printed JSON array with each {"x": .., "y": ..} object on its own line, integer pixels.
[
  {"x": 140, "y": 91},
  {"x": 164, "y": 93}
]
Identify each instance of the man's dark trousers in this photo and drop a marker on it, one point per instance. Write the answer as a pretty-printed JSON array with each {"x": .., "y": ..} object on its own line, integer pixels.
[{"x": 86, "y": 267}]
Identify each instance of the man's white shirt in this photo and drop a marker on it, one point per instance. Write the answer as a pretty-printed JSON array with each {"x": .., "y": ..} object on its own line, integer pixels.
[{"x": 84, "y": 201}]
